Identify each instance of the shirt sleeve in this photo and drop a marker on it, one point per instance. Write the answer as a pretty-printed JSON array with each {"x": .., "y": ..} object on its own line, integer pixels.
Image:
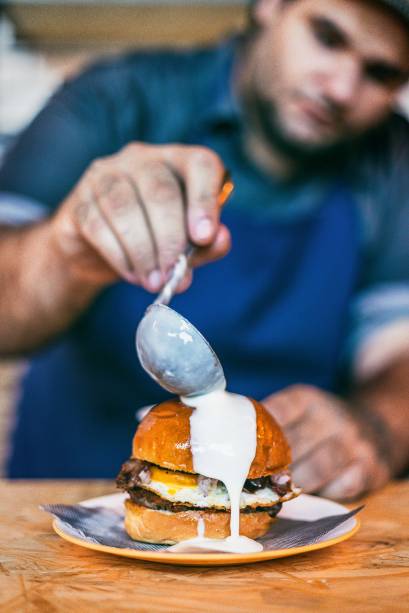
[
  {"x": 87, "y": 118},
  {"x": 17, "y": 210},
  {"x": 378, "y": 329}
]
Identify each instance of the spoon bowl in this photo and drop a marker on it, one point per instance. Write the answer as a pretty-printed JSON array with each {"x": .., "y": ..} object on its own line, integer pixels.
[{"x": 176, "y": 355}]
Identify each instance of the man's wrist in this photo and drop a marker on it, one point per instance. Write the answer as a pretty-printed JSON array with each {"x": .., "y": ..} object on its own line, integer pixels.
[
  {"x": 63, "y": 283},
  {"x": 376, "y": 427},
  {"x": 385, "y": 399}
]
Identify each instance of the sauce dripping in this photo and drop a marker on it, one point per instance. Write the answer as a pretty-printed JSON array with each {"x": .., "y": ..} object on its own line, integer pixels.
[{"x": 223, "y": 439}]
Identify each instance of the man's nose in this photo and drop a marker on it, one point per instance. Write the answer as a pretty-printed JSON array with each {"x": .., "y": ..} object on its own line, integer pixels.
[{"x": 343, "y": 83}]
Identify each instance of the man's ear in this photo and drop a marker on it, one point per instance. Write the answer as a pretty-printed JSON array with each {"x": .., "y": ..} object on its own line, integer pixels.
[{"x": 264, "y": 11}]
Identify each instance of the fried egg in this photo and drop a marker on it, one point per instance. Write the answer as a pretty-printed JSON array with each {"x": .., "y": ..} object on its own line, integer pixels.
[{"x": 183, "y": 488}]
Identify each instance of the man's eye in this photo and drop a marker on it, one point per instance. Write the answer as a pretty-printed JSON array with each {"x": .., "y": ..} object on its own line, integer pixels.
[
  {"x": 327, "y": 34},
  {"x": 383, "y": 74}
]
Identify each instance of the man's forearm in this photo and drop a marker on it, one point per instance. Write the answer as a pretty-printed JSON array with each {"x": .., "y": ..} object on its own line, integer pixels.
[
  {"x": 39, "y": 297},
  {"x": 383, "y": 403}
]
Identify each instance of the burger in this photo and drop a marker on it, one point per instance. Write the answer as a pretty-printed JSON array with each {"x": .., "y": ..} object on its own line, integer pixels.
[{"x": 167, "y": 498}]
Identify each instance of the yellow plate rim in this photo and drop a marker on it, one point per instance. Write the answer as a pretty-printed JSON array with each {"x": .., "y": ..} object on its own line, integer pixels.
[{"x": 205, "y": 558}]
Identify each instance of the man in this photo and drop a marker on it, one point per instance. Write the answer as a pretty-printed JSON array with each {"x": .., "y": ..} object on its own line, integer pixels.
[{"x": 125, "y": 165}]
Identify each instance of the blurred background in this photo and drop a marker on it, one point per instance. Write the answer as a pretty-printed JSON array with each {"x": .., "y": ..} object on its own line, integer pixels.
[{"x": 44, "y": 41}]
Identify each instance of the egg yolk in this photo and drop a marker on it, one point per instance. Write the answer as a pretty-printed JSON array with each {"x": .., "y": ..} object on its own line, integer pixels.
[{"x": 173, "y": 481}]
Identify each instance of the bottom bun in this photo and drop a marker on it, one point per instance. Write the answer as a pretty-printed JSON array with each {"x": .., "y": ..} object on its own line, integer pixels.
[{"x": 168, "y": 528}]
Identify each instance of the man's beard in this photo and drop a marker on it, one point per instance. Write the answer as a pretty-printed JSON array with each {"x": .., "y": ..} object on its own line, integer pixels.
[{"x": 301, "y": 154}]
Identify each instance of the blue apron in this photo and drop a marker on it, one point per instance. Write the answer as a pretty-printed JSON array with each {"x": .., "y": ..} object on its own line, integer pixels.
[{"x": 274, "y": 310}]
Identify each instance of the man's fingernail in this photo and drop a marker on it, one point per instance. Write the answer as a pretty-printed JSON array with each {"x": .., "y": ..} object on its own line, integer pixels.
[
  {"x": 155, "y": 280},
  {"x": 204, "y": 229}
]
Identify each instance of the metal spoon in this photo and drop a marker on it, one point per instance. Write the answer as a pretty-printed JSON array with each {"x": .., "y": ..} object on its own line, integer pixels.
[
  {"x": 170, "y": 348},
  {"x": 175, "y": 354}
]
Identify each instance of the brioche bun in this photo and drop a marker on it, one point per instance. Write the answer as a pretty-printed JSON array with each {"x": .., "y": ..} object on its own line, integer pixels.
[
  {"x": 164, "y": 527},
  {"x": 163, "y": 438}
]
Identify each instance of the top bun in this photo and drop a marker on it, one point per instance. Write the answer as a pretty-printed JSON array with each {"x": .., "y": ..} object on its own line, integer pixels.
[{"x": 163, "y": 438}]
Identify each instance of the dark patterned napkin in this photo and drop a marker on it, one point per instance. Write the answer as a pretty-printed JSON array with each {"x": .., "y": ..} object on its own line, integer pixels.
[{"x": 105, "y": 527}]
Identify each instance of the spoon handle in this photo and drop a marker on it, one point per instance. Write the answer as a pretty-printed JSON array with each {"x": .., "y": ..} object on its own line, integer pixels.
[
  {"x": 182, "y": 262},
  {"x": 175, "y": 278}
]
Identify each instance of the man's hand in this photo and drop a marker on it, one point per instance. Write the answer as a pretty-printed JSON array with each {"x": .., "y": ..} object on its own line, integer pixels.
[
  {"x": 129, "y": 217},
  {"x": 132, "y": 214},
  {"x": 335, "y": 452}
]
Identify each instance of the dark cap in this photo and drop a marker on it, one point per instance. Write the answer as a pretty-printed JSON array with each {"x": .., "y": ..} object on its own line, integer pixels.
[{"x": 399, "y": 6}]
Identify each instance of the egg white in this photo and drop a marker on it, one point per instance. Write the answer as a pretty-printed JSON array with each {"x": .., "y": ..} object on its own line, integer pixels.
[{"x": 216, "y": 498}]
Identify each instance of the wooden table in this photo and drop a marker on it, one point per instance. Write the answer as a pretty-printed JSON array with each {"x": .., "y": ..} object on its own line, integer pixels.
[{"x": 41, "y": 572}]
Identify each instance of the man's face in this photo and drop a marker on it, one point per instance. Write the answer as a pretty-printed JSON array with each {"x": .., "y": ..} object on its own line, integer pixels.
[{"x": 325, "y": 71}]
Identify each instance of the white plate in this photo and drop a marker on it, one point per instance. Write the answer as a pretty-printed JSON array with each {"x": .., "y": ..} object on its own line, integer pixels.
[{"x": 304, "y": 507}]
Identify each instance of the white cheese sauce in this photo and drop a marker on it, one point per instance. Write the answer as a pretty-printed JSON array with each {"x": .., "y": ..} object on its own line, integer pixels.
[{"x": 223, "y": 440}]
